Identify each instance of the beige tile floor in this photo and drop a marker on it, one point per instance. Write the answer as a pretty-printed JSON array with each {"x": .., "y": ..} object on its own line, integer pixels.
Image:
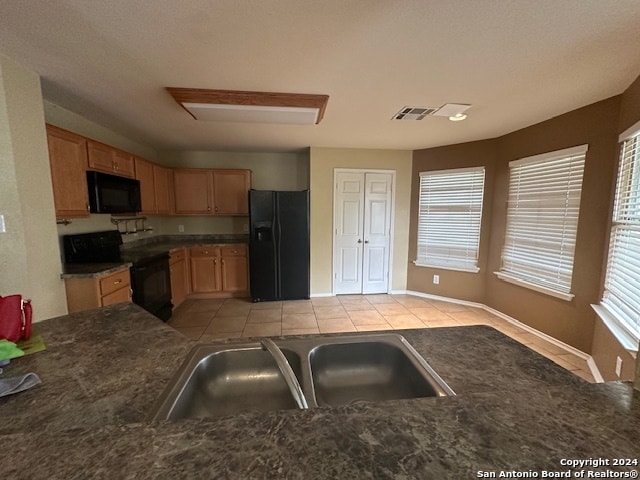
[{"x": 207, "y": 320}]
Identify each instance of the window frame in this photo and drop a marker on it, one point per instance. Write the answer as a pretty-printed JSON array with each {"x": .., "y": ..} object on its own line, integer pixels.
[
  {"x": 470, "y": 214},
  {"x": 566, "y": 240}
]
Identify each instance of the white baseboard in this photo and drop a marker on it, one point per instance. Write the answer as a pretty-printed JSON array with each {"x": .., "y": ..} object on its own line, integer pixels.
[{"x": 316, "y": 295}]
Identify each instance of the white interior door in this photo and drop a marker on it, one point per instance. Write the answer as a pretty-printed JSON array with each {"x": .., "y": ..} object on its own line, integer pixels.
[
  {"x": 362, "y": 236},
  {"x": 349, "y": 225},
  {"x": 377, "y": 233}
]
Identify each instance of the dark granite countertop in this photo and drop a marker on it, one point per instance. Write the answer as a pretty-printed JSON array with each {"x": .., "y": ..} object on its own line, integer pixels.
[
  {"x": 104, "y": 369},
  {"x": 140, "y": 249}
]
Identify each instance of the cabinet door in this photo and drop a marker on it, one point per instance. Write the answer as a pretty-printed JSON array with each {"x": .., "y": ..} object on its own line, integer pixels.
[
  {"x": 230, "y": 189},
  {"x": 68, "y": 161},
  {"x": 234, "y": 274},
  {"x": 193, "y": 191},
  {"x": 205, "y": 274},
  {"x": 100, "y": 157},
  {"x": 179, "y": 270},
  {"x": 161, "y": 178},
  {"x": 123, "y": 163},
  {"x": 104, "y": 158},
  {"x": 205, "y": 269},
  {"x": 144, "y": 173}
]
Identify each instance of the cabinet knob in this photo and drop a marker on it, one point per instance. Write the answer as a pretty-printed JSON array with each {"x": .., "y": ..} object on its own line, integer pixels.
[{"x": 117, "y": 282}]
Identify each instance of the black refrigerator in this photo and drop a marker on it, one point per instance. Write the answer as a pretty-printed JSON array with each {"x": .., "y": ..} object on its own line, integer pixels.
[{"x": 279, "y": 245}]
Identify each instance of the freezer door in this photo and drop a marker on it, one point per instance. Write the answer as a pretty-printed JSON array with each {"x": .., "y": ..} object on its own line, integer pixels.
[{"x": 263, "y": 273}]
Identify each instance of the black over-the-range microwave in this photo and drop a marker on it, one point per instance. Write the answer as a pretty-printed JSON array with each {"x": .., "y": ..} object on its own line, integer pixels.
[{"x": 113, "y": 194}]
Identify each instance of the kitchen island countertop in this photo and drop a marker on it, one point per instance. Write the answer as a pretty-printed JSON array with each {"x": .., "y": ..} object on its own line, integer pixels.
[{"x": 104, "y": 369}]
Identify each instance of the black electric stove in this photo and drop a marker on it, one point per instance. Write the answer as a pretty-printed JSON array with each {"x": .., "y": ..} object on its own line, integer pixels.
[{"x": 150, "y": 278}]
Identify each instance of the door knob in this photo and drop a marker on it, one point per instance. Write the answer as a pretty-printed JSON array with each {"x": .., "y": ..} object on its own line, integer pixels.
[
  {"x": 366, "y": 241},
  {"x": 359, "y": 241}
]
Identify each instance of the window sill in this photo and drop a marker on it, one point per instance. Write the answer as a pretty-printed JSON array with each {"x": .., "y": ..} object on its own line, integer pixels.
[
  {"x": 441, "y": 267},
  {"x": 628, "y": 341},
  {"x": 547, "y": 291}
]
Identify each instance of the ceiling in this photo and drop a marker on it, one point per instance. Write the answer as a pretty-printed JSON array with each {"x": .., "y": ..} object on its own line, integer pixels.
[{"x": 517, "y": 62}]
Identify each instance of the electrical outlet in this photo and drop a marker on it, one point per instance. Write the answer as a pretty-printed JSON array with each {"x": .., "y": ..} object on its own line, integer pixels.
[
  {"x": 618, "y": 366},
  {"x": 181, "y": 228},
  {"x": 436, "y": 279}
]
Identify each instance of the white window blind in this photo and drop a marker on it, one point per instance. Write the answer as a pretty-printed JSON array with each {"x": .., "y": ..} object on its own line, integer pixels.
[
  {"x": 542, "y": 220},
  {"x": 449, "y": 215},
  {"x": 622, "y": 283}
]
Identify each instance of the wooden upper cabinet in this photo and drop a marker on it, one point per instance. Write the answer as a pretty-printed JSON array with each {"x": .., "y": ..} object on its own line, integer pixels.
[
  {"x": 201, "y": 191},
  {"x": 68, "y": 161},
  {"x": 104, "y": 158},
  {"x": 144, "y": 173},
  {"x": 193, "y": 191},
  {"x": 163, "y": 181},
  {"x": 230, "y": 192}
]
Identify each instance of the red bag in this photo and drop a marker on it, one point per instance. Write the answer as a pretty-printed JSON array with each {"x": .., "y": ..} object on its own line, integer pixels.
[{"x": 15, "y": 318}]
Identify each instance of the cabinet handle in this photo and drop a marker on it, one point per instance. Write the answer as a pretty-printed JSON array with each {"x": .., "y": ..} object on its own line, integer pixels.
[
  {"x": 216, "y": 209},
  {"x": 117, "y": 282}
]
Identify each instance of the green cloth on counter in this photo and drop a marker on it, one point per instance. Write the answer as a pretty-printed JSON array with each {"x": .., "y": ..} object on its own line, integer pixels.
[
  {"x": 33, "y": 345},
  {"x": 9, "y": 350}
]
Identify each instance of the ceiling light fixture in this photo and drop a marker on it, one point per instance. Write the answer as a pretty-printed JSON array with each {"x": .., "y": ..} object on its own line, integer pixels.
[
  {"x": 458, "y": 117},
  {"x": 455, "y": 111},
  {"x": 252, "y": 107}
]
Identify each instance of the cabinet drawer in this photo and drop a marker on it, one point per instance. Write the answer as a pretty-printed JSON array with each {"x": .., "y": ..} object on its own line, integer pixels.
[
  {"x": 119, "y": 296},
  {"x": 205, "y": 251},
  {"x": 239, "y": 250},
  {"x": 115, "y": 281},
  {"x": 178, "y": 256}
]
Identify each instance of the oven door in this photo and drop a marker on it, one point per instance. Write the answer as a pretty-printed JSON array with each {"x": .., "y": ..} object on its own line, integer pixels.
[{"x": 151, "y": 285}]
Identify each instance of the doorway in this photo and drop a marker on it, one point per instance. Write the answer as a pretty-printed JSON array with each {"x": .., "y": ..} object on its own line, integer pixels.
[{"x": 362, "y": 241}]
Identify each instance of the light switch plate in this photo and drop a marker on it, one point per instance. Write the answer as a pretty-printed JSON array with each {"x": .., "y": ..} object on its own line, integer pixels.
[
  {"x": 618, "y": 366},
  {"x": 2, "y": 226}
]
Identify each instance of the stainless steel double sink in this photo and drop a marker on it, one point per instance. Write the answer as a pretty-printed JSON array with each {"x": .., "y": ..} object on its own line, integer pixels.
[{"x": 217, "y": 380}]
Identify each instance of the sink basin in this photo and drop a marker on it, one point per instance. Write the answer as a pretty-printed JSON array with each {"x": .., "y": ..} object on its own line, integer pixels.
[
  {"x": 345, "y": 373},
  {"x": 216, "y": 380}
]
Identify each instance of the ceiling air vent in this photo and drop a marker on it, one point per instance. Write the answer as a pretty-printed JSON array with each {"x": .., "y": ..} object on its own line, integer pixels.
[{"x": 413, "y": 113}]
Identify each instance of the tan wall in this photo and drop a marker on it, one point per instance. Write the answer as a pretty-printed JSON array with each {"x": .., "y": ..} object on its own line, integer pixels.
[
  {"x": 571, "y": 322},
  {"x": 605, "y": 348},
  {"x": 63, "y": 118},
  {"x": 269, "y": 171},
  {"x": 453, "y": 284},
  {"x": 29, "y": 253},
  {"x": 322, "y": 163}
]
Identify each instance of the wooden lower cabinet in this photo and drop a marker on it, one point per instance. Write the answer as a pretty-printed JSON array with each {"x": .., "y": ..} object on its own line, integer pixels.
[
  {"x": 86, "y": 293},
  {"x": 234, "y": 269},
  {"x": 219, "y": 271},
  {"x": 179, "y": 272}
]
